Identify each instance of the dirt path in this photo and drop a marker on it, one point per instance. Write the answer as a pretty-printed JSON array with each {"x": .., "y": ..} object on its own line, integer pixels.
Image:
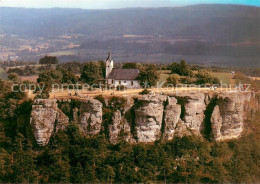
[{"x": 134, "y": 92}]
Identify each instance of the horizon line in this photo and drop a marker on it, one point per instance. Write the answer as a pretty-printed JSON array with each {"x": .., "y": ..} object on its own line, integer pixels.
[{"x": 152, "y": 7}]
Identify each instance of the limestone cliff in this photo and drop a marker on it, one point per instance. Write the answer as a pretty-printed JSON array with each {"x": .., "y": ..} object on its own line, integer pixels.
[
  {"x": 119, "y": 129},
  {"x": 228, "y": 115},
  {"x": 171, "y": 118},
  {"x": 149, "y": 118},
  {"x": 89, "y": 116},
  {"x": 154, "y": 117},
  {"x": 46, "y": 119}
]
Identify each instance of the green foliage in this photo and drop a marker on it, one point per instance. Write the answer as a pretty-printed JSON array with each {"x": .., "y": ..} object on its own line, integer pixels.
[
  {"x": 50, "y": 77},
  {"x": 102, "y": 68},
  {"x": 173, "y": 79},
  {"x": 145, "y": 92},
  {"x": 121, "y": 88},
  {"x": 49, "y": 60},
  {"x": 74, "y": 67},
  {"x": 91, "y": 73},
  {"x": 148, "y": 76},
  {"x": 14, "y": 77},
  {"x": 181, "y": 69},
  {"x": 130, "y": 65},
  {"x": 68, "y": 77},
  {"x": 117, "y": 103},
  {"x": 187, "y": 80},
  {"x": 26, "y": 71},
  {"x": 9, "y": 99},
  {"x": 101, "y": 99},
  {"x": 203, "y": 77}
]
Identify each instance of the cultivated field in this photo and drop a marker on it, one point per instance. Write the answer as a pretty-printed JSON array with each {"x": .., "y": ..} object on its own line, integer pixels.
[{"x": 31, "y": 78}]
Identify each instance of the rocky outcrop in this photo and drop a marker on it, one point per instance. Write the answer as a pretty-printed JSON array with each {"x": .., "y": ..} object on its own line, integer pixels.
[
  {"x": 227, "y": 117},
  {"x": 150, "y": 117},
  {"x": 194, "y": 111},
  {"x": 119, "y": 129},
  {"x": 46, "y": 119},
  {"x": 171, "y": 118},
  {"x": 216, "y": 123},
  {"x": 89, "y": 116}
]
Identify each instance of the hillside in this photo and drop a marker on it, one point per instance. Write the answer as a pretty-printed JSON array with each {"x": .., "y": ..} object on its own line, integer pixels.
[{"x": 227, "y": 32}]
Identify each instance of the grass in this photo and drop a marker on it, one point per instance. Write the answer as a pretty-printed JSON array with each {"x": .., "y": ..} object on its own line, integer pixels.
[
  {"x": 226, "y": 78},
  {"x": 163, "y": 75},
  {"x": 3, "y": 74}
]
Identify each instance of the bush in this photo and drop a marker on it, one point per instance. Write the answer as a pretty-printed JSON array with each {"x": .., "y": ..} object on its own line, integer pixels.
[
  {"x": 121, "y": 88},
  {"x": 173, "y": 79},
  {"x": 49, "y": 60},
  {"x": 181, "y": 69},
  {"x": 145, "y": 92},
  {"x": 204, "y": 78},
  {"x": 186, "y": 80}
]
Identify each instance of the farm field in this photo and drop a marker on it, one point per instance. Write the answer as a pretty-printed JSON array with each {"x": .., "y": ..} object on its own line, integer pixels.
[{"x": 32, "y": 78}]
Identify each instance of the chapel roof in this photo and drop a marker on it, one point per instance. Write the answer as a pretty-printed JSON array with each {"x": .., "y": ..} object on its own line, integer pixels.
[{"x": 123, "y": 74}]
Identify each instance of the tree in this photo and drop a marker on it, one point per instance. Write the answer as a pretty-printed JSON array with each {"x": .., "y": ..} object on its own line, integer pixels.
[
  {"x": 23, "y": 159},
  {"x": 50, "y": 77},
  {"x": 148, "y": 76},
  {"x": 102, "y": 68},
  {"x": 204, "y": 78},
  {"x": 74, "y": 67},
  {"x": 14, "y": 77},
  {"x": 68, "y": 77},
  {"x": 91, "y": 73},
  {"x": 173, "y": 79},
  {"x": 130, "y": 65},
  {"x": 49, "y": 60},
  {"x": 107, "y": 173},
  {"x": 181, "y": 68},
  {"x": 78, "y": 174}
]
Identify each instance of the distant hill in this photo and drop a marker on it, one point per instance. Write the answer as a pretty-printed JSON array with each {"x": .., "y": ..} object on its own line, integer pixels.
[{"x": 228, "y": 30}]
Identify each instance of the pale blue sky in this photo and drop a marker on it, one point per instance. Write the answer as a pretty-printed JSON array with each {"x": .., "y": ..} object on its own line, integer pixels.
[{"x": 107, "y": 4}]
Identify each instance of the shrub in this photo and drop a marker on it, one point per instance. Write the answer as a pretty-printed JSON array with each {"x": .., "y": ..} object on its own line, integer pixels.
[
  {"x": 173, "y": 79},
  {"x": 121, "y": 88},
  {"x": 145, "y": 92}
]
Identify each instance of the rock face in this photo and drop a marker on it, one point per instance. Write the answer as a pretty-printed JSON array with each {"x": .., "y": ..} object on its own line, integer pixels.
[
  {"x": 171, "y": 118},
  {"x": 46, "y": 119},
  {"x": 216, "y": 123},
  {"x": 89, "y": 116},
  {"x": 152, "y": 117},
  {"x": 119, "y": 129},
  {"x": 194, "y": 111},
  {"x": 148, "y": 118},
  {"x": 227, "y": 117}
]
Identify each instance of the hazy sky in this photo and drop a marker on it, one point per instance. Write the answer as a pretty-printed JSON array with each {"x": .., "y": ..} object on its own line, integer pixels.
[{"x": 107, "y": 4}]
